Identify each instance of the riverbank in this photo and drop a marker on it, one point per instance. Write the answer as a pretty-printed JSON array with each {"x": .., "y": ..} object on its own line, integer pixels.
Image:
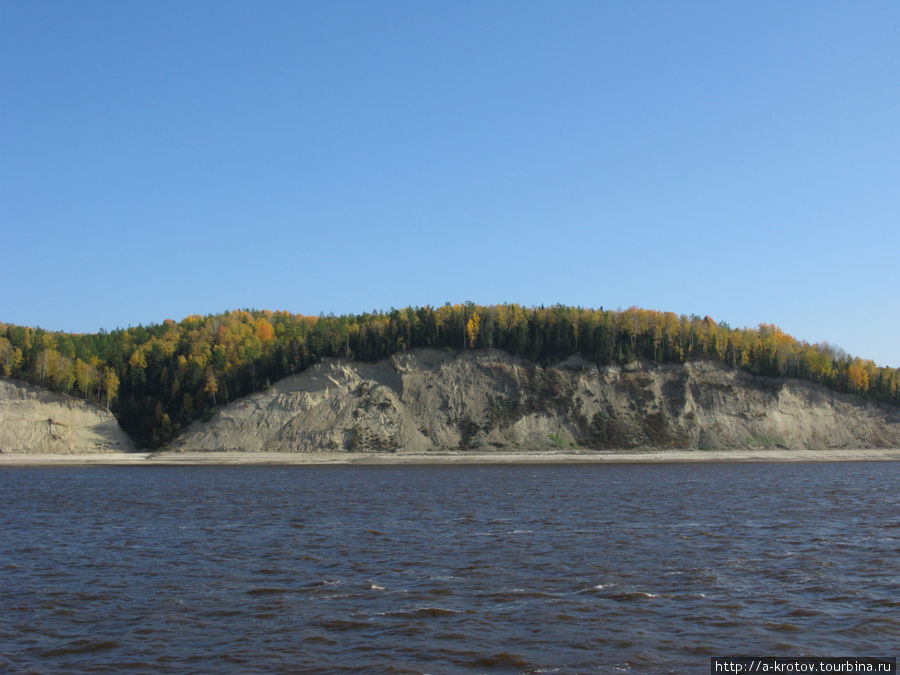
[{"x": 282, "y": 458}]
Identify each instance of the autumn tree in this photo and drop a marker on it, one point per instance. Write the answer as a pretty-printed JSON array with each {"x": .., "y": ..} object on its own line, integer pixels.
[
  {"x": 110, "y": 385},
  {"x": 10, "y": 357},
  {"x": 85, "y": 376},
  {"x": 211, "y": 386},
  {"x": 472, "y": 326}
]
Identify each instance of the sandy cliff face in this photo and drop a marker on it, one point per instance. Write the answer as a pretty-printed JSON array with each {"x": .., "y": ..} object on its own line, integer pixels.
[
  {"x": 35, "y": 420},
  {"x": 427, "y": 400}
]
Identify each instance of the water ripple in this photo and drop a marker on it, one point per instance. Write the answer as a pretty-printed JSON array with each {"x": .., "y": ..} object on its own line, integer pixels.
[{"x": 603, "y": 569}]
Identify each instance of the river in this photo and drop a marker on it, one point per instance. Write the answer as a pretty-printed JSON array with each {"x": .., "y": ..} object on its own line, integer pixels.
[{"x": 445, "y": 569}]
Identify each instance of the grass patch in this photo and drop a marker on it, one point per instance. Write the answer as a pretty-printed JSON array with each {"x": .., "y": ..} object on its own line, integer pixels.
[
  {"x": 561, "y": 443},
  {"x": 765, "y": 441}
]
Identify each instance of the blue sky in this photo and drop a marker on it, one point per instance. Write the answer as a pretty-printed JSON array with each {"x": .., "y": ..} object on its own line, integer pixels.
[{"x": 741, "y": 160}]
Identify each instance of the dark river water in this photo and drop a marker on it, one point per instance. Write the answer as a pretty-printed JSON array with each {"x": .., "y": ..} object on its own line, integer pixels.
[{"x": 443, "y": 569}]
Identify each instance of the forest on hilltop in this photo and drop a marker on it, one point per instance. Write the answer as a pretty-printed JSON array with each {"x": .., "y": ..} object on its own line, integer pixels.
[{"x": 157, "y": 379}]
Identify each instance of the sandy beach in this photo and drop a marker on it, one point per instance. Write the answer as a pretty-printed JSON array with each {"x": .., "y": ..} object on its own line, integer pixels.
[{"x": 627, "y": 457}]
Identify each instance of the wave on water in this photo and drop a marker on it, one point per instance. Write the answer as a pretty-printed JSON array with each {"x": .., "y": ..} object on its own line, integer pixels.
[
  {"x": 80, "y": 646},
  {"x": 488, "y": 569}
]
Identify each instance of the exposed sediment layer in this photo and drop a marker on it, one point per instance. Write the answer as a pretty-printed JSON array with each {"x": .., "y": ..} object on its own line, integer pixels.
[
  {"x": 483, "y": 404},
  {"x": 428, "y": 401},
  {"x": 36, "y": 420}
]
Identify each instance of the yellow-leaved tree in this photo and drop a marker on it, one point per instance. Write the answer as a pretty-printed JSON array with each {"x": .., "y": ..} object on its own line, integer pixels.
[
  {"x": 472, "y": 326},
  {"x": 110, "y": 385}
]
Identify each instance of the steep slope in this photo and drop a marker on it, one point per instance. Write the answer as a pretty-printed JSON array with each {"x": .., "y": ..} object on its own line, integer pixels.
[
  {"x": 35, "y": 420},
  {"x": 486, "y": 400}
]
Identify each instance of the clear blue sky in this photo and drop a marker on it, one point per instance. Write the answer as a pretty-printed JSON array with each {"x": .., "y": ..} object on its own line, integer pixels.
[{"x": 742, "y": 160}]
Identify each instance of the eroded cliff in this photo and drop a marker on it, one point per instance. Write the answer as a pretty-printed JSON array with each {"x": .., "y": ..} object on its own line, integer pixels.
[
  {"x": 35, "y": 420},
  {"x": 427, "y": 400}
]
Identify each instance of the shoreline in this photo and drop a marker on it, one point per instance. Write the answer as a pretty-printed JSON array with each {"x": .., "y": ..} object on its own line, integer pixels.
[{"x": 447, "y": 458}]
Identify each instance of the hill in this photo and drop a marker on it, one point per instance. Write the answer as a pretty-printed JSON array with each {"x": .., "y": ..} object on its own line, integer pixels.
[{"x": 159, "y": 379}]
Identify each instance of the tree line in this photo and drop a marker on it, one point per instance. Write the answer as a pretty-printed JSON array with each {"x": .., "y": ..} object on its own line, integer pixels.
[{"x": 157, "y": 379}]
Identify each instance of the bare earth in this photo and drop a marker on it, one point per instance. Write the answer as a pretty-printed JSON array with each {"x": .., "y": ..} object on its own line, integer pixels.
[
  {"x": 478, "y": 407},
  {"x": 307, "y": 458},
  {"x": 486, "y": 401}
]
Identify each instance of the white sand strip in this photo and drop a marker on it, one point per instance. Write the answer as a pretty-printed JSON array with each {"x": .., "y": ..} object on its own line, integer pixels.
[{"x": 625, "y": 456}]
